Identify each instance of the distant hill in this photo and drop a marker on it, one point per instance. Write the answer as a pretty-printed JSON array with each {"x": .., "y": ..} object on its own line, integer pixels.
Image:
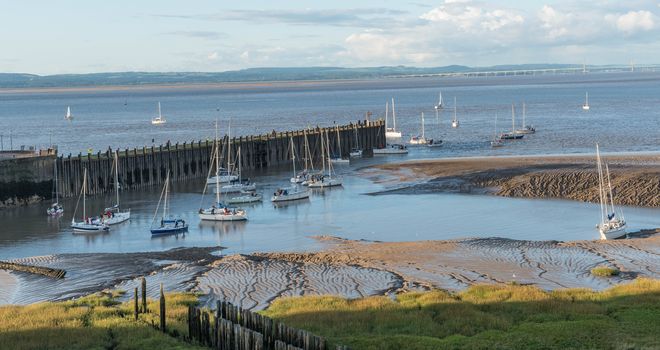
[{"x": 21, "y": 80}]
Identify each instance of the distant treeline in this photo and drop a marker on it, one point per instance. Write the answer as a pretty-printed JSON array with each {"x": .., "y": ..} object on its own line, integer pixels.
[{"x": 20, "y": 80}]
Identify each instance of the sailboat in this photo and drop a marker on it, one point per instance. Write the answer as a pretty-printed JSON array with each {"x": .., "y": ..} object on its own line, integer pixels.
[
  {"x": 219, "y": 211},
  {"x": 68, "y": 115},
  {"x": 454, "y": 122},
  {"x": 323, "y": 181},
  {"x": 304, "y": 175},
  {"x": 87, "y": 225},
  {"x": 612, "y": 224},
  {"x": 356, "y": 151},
  {"x": 55, "y": 209},
  {"x": 585, "y": 106},
  {"x": 513, "y": 135},
  {"x": 159, "y": 119},
  {"x": 419, "y": 140},
  {"x": 114, "y": 215},
  {"x": 439, "y": 105},
  {"x": 169, "y": 224},
  {"x": 293, "y": 192},
  {"x": 238, "y": 185},
  {"x": 496, "y": 141},
  {"x": 223, "y": 175},
  {"x": 526, "y": 129},
  {"x": 337, "y": 158},
  {"x": 391, "y": 132}
]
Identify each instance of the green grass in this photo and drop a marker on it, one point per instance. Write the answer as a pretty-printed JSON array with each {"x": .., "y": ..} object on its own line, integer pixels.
[
  {"x": 92, "y": 322},
  {"x": 485, "y": 317},
  {"x": 604, "y": 271}
]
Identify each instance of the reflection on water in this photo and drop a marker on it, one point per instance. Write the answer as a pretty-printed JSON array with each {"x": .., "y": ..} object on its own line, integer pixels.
[{"x": 344, "y": 212}]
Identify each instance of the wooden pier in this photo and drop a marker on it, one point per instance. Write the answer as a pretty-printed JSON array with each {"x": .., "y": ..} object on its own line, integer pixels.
[{"x": 148, "y": 166}]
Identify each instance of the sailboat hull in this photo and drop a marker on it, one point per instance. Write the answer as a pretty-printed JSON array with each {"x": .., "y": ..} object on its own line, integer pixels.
[
  {"x": 290, "y": 196},
  {"x": 220, "y": 215},
  {"x": 393, "y": 134},
  {"x": 325, "y": 183},
  {"x": 81, "y": 227},
  {"x": 606, "y": 233},
  {"x": 117, "y": 218},
  {"x": 236, "y": 188},
  {"x": 169, "y": 229}
]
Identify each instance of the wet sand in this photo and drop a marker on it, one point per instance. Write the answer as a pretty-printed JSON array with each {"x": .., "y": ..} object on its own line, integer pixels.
[
  {"x": 346, "y": 268},
  {"x": 635, "y": 178}
]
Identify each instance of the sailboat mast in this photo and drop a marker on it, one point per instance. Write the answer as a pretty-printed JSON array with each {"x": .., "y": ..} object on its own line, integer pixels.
[
  {"x": 240, "y": 167},
  {"x": 600, "y": 185},
  {"x": 454, "y": 108},
  {"x": 327, "y": 145},
  {"x": 293, "y": 156},
  {"x": 217, "y": 165},
  {"x": 167, "y": 194},
  {"x": 422, "y": 124},
  {"x": 513, "y": 119},
  {"x": 387, "y": 111},
  {"x": 160, "y": 116},
  {"x": 84, "y": 194},
  {"x": 57, "y": 195},
  {"x": 338, "y": 142},
  {"x": 609, "y": 186},
  {"x": 117, "y": 177},
  {"x": 229, "y": 149},
  {"x": 393, "y": 116},
  {"x": 524, "y": 114}
]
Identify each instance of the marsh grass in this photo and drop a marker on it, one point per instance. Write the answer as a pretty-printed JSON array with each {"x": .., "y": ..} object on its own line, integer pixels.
[
  {"x": 604, "y": 271},
  {"x": 485, "y": 317},
  {"x": 97, "y": 321}
]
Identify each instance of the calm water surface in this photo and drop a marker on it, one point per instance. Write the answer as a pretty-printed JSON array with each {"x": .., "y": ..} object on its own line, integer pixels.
[{"x": 624, "y": 117}]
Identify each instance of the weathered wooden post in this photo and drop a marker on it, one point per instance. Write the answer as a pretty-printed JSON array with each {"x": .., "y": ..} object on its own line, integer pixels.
[
  {"x": 136, "y": 309},
  {"x": 144, "y": 295},
  {"x": 162, "y": 309}
]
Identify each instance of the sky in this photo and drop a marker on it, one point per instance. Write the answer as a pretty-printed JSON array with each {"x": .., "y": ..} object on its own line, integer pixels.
[{"x": 67, "y": 36}]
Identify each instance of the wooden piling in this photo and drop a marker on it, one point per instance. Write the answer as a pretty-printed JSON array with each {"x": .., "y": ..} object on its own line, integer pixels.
[
  {"x": 136, "y": 308},
  {"x": 162, "y": 309},
  {"x": 144, "y": 295}
]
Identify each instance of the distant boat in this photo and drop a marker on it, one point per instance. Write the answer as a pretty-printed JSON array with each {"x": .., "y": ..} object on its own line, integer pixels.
[
  {"x": 238, "y": 185},
  {"x": 513, "y": 135},
  {"x": 159, "y": 119},
  {"x": 526, "y": 129},
  {"x": 439, "y": 105},
  {"x": 454, "y": 122},
  {"x": 391, "y": 132},
  {"x": 169, "y": 224},
  {"x": 391, "y": 148},
  {"x": 87, "y": 225},
  {"x": 55, "y": 209},
  {"x": 419, "y": 139},
  {"x": 245, "y": 197},
  {"x": 610, "y": 226},
  {"x": 585, "y": 106},
  {"x": 68, "y": 115}
]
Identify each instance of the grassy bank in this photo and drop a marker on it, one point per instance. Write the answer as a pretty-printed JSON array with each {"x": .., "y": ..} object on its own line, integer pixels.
[
  {"x": 486, "y": 317},
  {"x": 93, "y": 322}
]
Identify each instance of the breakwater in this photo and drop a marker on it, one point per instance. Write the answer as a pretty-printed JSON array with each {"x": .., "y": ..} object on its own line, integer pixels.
[{"x": 147, "y": 166}]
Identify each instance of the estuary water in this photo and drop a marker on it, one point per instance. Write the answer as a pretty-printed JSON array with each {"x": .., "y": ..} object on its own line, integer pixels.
[{"x": 624, "y": 117}]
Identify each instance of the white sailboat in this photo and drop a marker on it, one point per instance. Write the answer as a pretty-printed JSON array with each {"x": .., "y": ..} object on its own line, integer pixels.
[
  {"x": 585, "y": 106},
  {"x": 55, "y": 209},
  {"x": 245, "y": 197},
  {"x": 356, "y": 151},
  {"x": 329, "y": 179},
  {"x": 238, "y": 185},
  {"x": 419, "y": 139},
  {"x": 223, "y": 175},
  {"x": 68, "y": 115},
  {"x": 454, "y": 122},
  {"x": 87, "y": 225},
  {"x": 526, "y": 129},
  {"x": 612, "y": 224},
  {"x": 159, "y": 119},
  {"x": 292, "y": 193},
  {"x": 439, "y": 105},
  {"x": 114, "y": 215},
  {"x": 169, "y": 224},
  {"x": 391, "y": 133},
  {"x": 219, "y": 211},
  {"x": 337, "y": 157}
]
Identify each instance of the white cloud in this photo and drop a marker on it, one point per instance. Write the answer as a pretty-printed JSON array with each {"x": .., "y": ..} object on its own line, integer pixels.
[
  {"x": 635, "y": 21},
  {"x": 212, "y": 56},
  {"x": 554, "y": 23},
  {"x": 470, "y": 17}
]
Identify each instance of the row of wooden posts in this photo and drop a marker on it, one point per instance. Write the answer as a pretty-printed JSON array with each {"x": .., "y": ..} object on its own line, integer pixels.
[
  {"x": 39, "y": 270},
  {"x": 234, "y": 328},
  {"x": 148, "y": 166}
]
